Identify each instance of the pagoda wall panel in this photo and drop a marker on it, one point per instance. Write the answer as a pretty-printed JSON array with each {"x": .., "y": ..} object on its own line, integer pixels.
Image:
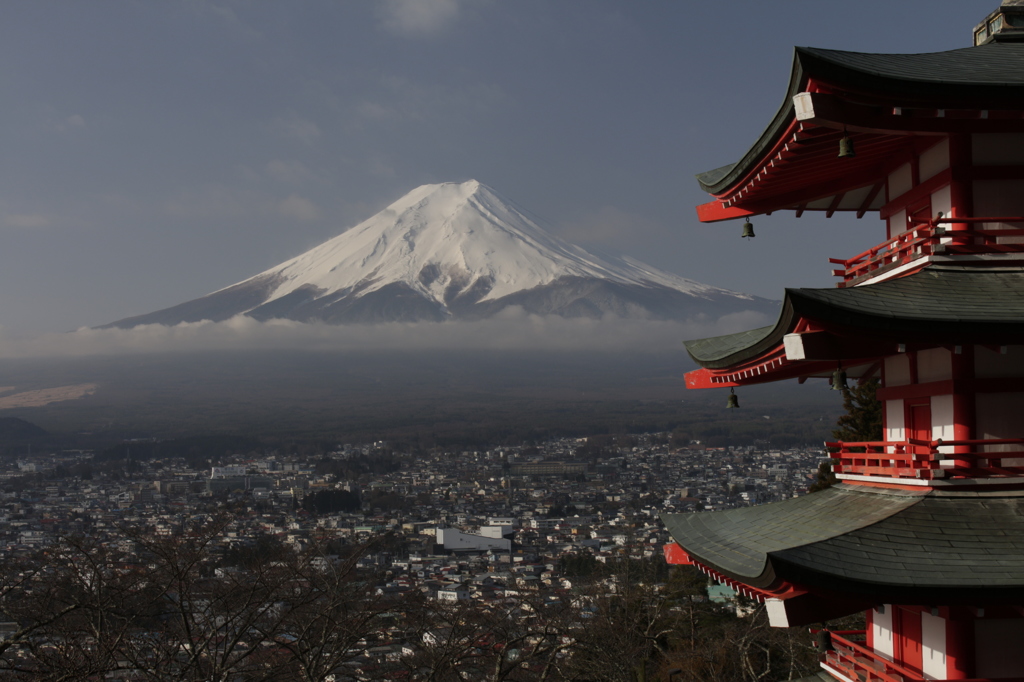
[
  {"x": 897, "y": 223},
  {"x": 895, "y": 422},
  {"x": 900, "y": 181},
  {"x": 881, "y": 630},
  {"x": 998, "y": 651},
  {"x": 934, "y": 364},
  {"x": 1000, "y": 198},
  {"x": 942, "y": 420},
  {"x": 990, "y": 363},
  {"x": 942, "y": 202},
  {"x": 933, "y": 646},
  {"x": 997, "y": 149},
  {"x": 934, "y": 160},
  {"x": 999, "y": 416},
  {"x": 897, "y": 370}
]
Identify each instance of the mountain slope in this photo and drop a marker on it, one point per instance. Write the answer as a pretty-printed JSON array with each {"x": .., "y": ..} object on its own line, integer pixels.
[{"x": 453, "y": 251}]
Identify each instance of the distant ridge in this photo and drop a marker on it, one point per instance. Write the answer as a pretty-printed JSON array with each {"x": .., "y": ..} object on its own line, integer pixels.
[
  {"x": 454, "y": 251},
  {"x": 13, "y": 428}
]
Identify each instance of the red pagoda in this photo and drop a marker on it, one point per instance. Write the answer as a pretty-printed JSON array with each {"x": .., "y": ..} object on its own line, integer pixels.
[{"x": 924, "y": 531}]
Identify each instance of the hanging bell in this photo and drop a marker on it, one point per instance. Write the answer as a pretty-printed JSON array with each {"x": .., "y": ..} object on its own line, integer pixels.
[
  {"x": 846, "y": 148},
  {"x": 748, "y": 230},
  {"x": 733, "y": 401},
  {"x": 839, "y": 380}
]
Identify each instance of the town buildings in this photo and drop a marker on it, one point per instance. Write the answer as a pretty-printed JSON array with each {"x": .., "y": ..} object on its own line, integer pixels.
[{"x": 537, "y": 531}]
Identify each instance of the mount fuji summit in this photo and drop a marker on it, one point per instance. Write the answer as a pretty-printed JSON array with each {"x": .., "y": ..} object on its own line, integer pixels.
[{"x": 454, "y": 251}]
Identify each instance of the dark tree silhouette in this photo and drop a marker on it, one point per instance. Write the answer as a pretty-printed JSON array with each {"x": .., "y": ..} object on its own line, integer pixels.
[{"x": 862, "y": 422}]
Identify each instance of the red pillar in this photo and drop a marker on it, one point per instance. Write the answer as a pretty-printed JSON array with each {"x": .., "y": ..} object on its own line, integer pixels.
[
  {"x": 963, "y": 398},
  {"x": 961, "y": 189}
]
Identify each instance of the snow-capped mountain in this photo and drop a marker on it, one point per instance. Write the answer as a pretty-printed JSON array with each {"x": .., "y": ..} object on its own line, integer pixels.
[{"x": 453, "y": 251}]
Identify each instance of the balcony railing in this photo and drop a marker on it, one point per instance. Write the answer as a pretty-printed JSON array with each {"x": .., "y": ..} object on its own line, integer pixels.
[
  {"x": 854, "y": 661},
  {"x": 927, "y": 238},
  {"x": 928, "y": 460}
]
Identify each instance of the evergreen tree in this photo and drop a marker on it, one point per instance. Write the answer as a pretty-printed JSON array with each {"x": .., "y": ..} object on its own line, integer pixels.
[
  {"x": 862, "y": 422},
  {"x": 863, "y": 418}
]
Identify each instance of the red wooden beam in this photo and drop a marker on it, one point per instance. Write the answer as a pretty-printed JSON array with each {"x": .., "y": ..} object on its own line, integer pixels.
[
  {"x": 917, "y": 194},
  {"x": 676, "y": 555},
  {"x": 808, "y": 192},
  {"x": 866, "y": 204},
  {"x": 836, "y": 200},
  {"x": 832, "y": 111},
  {"x": 714, "y": 211}
]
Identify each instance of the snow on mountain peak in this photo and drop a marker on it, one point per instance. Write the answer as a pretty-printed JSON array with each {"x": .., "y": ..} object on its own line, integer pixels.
[
  {"x": 454, "y": 251},
  {"x": 445, "y": 239}
]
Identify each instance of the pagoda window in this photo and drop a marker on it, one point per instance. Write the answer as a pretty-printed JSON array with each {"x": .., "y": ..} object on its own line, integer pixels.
[
  {"x": 980, "y": 35},
  {"x": 996, "y": 25}
]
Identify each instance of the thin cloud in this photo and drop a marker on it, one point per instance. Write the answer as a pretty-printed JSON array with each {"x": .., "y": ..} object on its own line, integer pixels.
[
  {"x": 232, "y": 21},
  {"x": 215, "y": 201},
  {"x": 608, "y": 226},
  {"x": 297, "y": 128},
  {"x": 298, "y": 208},
  {"x": 292, "y": 172},
  {"x": 70, "y": 123},
  {"x": 25, "y": 221},
  {"x": 417, "y": 17},
  {"x": 512, "y": 330}
]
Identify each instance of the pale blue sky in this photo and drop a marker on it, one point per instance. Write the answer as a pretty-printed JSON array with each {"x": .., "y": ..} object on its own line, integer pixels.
[{"x": 155, "y": 151}]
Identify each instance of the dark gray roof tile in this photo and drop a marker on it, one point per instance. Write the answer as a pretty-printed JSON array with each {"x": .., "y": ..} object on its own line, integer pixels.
[
  {"x": 924, "y": 540},
  {"x": 985, "y": 76},
  {"x": 946, "y": 303}
]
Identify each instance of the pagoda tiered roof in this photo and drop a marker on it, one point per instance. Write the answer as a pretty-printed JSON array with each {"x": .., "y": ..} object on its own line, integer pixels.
[
  {"x": 882, "y": 102},
  {"x": 939, "y": 305},
  {"x": 896, "y": 546}
]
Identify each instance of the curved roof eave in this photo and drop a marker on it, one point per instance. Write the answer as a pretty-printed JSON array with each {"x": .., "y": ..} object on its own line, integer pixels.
[
  {"x": 720, "y": 179},
  {"x": 861, "y": 539},
  {"x": 992, "y": 74},
  {"x": 740, "y": 542},
  {"x": 718, "y": 352},
  {"x": 943, "y": 302}
]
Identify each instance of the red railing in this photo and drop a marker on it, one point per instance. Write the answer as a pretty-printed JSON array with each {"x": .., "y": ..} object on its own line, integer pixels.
[
  {"x": 920, "y": 459},
  {"x": 926, "y": 239},
  {"x": 855, "y": 661}
]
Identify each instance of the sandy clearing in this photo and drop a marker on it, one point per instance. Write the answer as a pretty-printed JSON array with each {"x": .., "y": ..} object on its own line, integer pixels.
[{"x": 45, "y": 396}]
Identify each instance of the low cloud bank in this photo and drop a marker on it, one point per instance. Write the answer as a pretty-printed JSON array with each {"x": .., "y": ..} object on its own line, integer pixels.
[{"x": 512, "y": 330}]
